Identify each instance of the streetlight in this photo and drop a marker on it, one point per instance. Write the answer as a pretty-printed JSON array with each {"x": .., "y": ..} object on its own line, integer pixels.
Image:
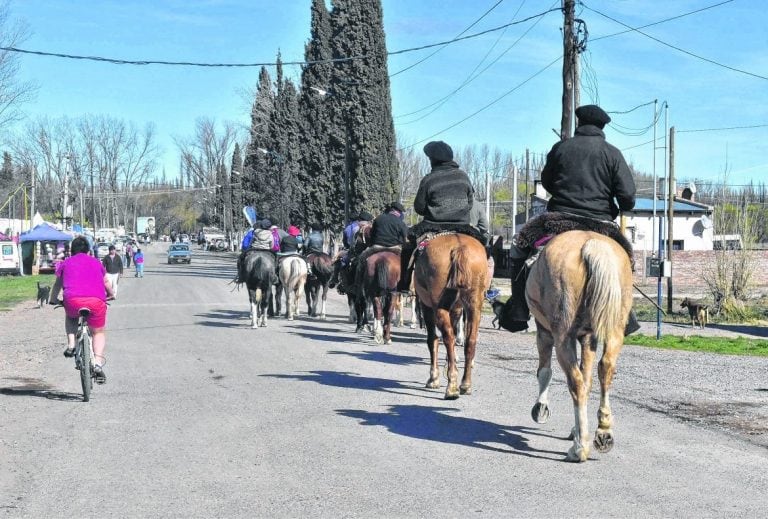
[
  {"x": 279, "y": 160},
  {"x": 333, "y": 93}
]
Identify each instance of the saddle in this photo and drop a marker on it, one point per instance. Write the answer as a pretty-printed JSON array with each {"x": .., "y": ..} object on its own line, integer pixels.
[{"x": 538, "y": 231}]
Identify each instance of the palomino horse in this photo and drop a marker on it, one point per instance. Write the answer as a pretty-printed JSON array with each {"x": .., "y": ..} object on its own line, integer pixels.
[
  {"x": 258, "y": 273},
  {"x": 322, "y": 271},
  {"x": 380, "y": 275},
  {"x": 450, "y": 279},
  {"x": 580, "y": 289},
  {"x": 293, "y": 276}
]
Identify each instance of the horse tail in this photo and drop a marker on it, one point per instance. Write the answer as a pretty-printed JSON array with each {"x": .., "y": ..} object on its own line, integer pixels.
[
  {"x": 603, "y": 292},
  {"x": 382, "y": 276},
  {"x": 458, "y": 275},
  {"x": 294, "y": 271}
]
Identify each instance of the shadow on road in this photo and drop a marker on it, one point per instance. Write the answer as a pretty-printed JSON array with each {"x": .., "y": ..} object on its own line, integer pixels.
[
  {"x": 436, "y": 424},
  {"x": 40, "y": 392},
  {"x": 355, "y": 381},
  {"x": 381, "y": 356}
]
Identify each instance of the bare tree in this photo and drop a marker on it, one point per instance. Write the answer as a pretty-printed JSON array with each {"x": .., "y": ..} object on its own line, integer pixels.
[{"x": 13, "y": 93}]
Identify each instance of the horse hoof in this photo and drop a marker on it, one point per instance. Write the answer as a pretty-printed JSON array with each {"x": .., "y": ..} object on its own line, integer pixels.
[
  {"x": 465, "y": 390},
  {"x": 323, "y": 317},
  {"x": 451, "y": 394},
  {"x": 388, "y": 341},
  {"x": 603, "y": 441},
  {"x": 413, "y": 327},
  {"x": 540, "y": 413},
  {"x": 577, "y": 455},
  {"x": 433, "y": 384},
  {"x": 379, "y": 339},
  {"x": 290, "y": 318}
]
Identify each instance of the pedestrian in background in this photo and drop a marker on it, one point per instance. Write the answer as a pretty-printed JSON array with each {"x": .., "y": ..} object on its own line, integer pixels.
[
  {"x": 138, "y": 262},
  {"x": 113, "y": 264}
]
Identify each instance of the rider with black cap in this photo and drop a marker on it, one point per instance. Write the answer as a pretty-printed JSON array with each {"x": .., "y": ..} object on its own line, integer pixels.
[
  {"x": 444, "y": 199},
  {"x": 587, "y": 177}
]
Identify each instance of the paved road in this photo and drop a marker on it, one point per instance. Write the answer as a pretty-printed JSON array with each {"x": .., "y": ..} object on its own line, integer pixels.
[{"x": 204, "y": 417}]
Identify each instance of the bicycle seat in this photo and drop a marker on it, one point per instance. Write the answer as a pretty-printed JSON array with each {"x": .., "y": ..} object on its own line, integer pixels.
[{"x": 84, "y": 312}]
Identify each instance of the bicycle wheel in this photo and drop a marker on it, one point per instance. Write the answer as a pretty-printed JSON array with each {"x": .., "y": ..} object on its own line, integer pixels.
[{"x": 85, "y": 363}]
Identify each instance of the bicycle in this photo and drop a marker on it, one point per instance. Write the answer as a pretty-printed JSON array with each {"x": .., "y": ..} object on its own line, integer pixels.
[{"x": 83, "y": 354}]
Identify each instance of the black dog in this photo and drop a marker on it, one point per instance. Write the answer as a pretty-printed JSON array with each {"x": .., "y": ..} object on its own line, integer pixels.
[
  {"x": 43, "y": 293},
  {"x": 698, "y": 312},
  {"x": 497, "y": 306}
]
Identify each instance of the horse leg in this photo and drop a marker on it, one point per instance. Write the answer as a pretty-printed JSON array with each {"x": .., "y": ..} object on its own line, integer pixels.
[
  {"x": 308, "y": 295},
  {"x": 566, "y": 356},
  {"x": 297, "y": 298},
  {"x": 544, "y": 342},
  {"x": 322, "y": 303},
  {"x": 360, "y": 316},
  {"x": 432, "y": 345},
  {"x": 443, "y": 320},
  {"x": 414, "y": 314},
  {"x": 472, "y": 315},
  {"x": 605, "y": 370},
  {"x": 254, "y": 309},
  {"x": 389, "y": 314},
  {"x": 290, "y": 295},
  {"x": 378, "y": 328},
  {"x": 458, "y": 325},
  {"x": 352, "y": 308}
]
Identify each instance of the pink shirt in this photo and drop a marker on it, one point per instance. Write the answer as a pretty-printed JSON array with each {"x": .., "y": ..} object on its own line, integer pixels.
[{"x": 82, "y": 276}]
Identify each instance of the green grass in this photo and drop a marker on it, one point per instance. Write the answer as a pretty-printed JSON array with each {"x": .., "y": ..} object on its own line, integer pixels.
[
  {"x": 723, "y": 345},
  {"x": 16, "y": 289}
]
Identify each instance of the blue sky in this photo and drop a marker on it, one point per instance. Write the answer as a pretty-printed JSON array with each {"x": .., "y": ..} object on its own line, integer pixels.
[{"x": 623, "y": 71}]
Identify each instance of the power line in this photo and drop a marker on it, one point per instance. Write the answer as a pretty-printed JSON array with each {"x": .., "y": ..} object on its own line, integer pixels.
[
  {"x": 470, "y": 78},
  {"x": 723, "y": 129},
  {"x": 425, "y": 58},
  {"x": 264, "y": 64},
  {"x": 505, "y": 94},
  {"x": 689, "y": 53}
]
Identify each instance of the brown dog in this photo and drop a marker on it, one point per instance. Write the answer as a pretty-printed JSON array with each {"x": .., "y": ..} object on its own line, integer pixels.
[{"x": 699, "y": 313}]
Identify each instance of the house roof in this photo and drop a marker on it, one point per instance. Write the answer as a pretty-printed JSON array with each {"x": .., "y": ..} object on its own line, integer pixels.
[{"x": 645, "y": 205}]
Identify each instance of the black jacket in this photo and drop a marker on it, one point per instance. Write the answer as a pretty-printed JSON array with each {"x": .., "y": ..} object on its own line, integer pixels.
[
  {"x": 587, "y": 176},
  {"x": 389, "y": 230},
  {"x": 113, "y": 266},
  {"x": 445, "y": 195},
  {"x": 289, "y": 244}
]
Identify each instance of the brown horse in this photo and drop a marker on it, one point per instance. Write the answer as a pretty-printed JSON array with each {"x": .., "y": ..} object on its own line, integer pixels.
[
  {"x": 580, "y": 289},
  {"x": 450, "y": 278},
  {"x": 380, "y": 274},
  {"x": 321, "y": 265}
]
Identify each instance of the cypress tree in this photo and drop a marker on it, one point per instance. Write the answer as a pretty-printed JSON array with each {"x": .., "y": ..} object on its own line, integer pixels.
[
  {"x": 365, "y": 103},
  {"x": 322, "y": 197},
  {"x": 255, "y": 163},
  {"x": 237, "y": 180}
]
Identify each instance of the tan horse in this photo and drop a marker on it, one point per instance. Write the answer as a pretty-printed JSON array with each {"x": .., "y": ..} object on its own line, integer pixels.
[
  {"x": 450, "y": 278},
  {"x": 580, "y": 289},
  {"x": 292, "y": 271}
]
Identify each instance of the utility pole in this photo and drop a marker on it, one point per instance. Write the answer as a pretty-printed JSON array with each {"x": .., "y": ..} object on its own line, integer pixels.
[
  {"x": 32, "y": 197},
  {"x": 670, "y": 212},
  {"x": 527, "y": 183},
  {"x": 66, "y": 193},
  {"x": 569, "y": 58}
]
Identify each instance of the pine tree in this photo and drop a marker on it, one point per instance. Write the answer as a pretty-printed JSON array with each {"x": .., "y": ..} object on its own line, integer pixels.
[
  {"x": 256, "y": 163},
  {"x": 237, "y": 180}
]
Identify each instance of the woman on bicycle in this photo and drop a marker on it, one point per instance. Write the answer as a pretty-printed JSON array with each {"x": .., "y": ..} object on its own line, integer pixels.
[{"x": 86, "y": 285}]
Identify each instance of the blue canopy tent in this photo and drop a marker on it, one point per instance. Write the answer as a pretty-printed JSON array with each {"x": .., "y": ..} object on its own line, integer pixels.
[{"x": 42, "y": 233}]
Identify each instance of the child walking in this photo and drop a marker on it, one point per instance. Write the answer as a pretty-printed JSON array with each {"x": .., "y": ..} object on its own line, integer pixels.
[{"x": 138, "y": 262}]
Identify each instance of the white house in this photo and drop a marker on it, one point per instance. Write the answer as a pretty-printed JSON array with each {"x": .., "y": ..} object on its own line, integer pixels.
[{"x": 691, "y": 229}]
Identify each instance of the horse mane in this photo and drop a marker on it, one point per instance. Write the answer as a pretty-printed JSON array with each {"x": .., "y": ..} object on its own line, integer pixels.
[{"x": 603, "y": 291}]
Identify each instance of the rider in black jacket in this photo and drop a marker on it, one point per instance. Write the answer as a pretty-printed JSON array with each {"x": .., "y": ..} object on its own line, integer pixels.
[{"x": 586, "y": 176}]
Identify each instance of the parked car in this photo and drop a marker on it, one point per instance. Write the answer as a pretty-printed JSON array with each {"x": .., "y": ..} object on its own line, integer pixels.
[
  {"x": 179, "y": 253},
  {"x": 184, "y": 238},
  {"x": 102, "y": 249},
  {"x": 10, "y": 259}
]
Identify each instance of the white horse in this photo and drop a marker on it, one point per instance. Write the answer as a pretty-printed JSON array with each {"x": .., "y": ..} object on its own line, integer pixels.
[{"x": 293, "y": 275}]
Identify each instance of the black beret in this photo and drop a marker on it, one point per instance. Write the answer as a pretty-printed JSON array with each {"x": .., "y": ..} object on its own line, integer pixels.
[
  {"x": 438, "y": 151},
  {"x": 397, "y": 206},
  {"x": 592, "y": 114},
  {"x": 365, "y": 215}
]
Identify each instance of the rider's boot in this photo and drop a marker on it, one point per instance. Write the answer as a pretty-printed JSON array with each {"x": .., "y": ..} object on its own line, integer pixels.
[
  {"x": 632, "y": 324},
  {"x": 404, "y": 285},
  {"x": 514, "y": 315}
]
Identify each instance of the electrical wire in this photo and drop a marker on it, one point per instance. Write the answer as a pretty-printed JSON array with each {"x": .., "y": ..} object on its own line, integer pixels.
[
  {"x": 264, "y": 64},
  {"x": 689, "y": 53},
  {"x": 425, "y": 58},
  {"x": 723, "y": 129},
  {"x": 470, "y": 116}
]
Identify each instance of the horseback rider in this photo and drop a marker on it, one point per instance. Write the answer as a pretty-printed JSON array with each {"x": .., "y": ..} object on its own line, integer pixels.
[
  {"x": 586, "y": 177},
  {"x": 354, "y": 242},
  {"x": 444, "y": 199},
  {"x": 389, "y": 232},
  {"x": 315, "y": 240},
  {"x": 290, "y": 244},
  {"x": 258, "y": 238}
]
